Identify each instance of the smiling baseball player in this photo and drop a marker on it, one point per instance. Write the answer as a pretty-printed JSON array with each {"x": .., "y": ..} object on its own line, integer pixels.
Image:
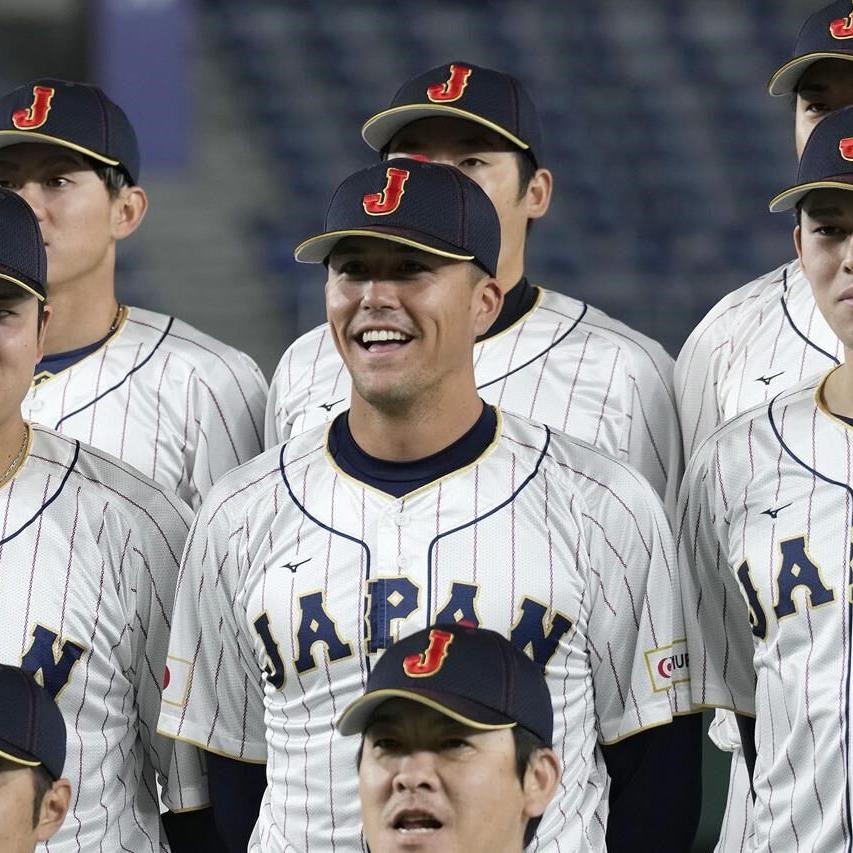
[
  {"x": 547, "y": 356},
  {"x": 176, "y": 404},
  {"x": 89, "y": 552},
  {"x": 769, "y": 334},
  {"x": 421, "y": 505},
  {"x": 766, "y": 515}
]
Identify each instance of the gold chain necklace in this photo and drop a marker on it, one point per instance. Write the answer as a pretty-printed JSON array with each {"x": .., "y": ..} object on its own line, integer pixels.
[
  {"x": 115, "y": 322},
  {"x": 13, "y": 465}
]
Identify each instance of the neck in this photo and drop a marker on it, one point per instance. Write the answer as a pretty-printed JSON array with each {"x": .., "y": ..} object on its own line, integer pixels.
[
  {"x": 12, "y": 437},
  {"x": 838, "y": 389},
  {"x": 83, "y": 313},
  {"x": 412, "y": 432}
]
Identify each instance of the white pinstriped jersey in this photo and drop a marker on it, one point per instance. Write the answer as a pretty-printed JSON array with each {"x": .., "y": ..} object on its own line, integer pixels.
[
  {"x": 296, "y": 569},
  {"x": 178, "y": 405},
  {"x": 765, "y": 540},
  {"x": 89, "y": 554},
  {"x": 756, "y": 341},
  {"x": 563, "y": 363}
]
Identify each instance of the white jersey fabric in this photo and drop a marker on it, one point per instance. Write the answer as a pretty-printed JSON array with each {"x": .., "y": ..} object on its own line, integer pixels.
[
  {"x": 765, "y": 542},
  {"x": 178, "y": 405},
  {"x": 755, "y": 342},
  {"x": 89, "y": 554},
  {"x": 297, "y": 576},
  {"x": 563, "y": 363}
]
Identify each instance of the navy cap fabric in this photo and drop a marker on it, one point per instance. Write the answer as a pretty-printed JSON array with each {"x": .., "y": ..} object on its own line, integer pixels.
[
  {"x": 466, "y": 91},
  {"x": 827, "y": 161},
  {"x": 32, "y": 731},
  {"x": 473, "y": 675},
  {"x": 22, "y": 256},
  {"x": 424, "y": 205},
  {"x": 827, "y": 34},
  {"x": 73, "y": 115}
]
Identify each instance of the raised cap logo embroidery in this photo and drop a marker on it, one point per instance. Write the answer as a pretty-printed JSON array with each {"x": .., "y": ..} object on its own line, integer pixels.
[
  {"x": 452, "y": 88},
  {"x": 845, "y": 146},
  {"x": 430, "y": 661},
  {"x": 842, "y": 28},
  {"x": 388, "y": 200},
  {"x": 34, "y": 115}
]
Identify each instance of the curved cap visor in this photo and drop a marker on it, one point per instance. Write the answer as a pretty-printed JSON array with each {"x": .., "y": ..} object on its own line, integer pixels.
[
  {"x": 316, "y": 249},
  {"x": 17, "y": 756},
  {"x": 788, "y": 199},
  {"x": 17, "y": 137},
  {"x": 380, "y": 129},
  {"x": 785, "y": 80},
  {"x": 356, "y": 717}
]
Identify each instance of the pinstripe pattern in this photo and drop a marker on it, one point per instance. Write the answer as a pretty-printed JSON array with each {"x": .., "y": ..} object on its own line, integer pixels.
[
  {"x": 564, "y": 364},
  {"x": 795, "y": 678},
  {"x": 768, "y": 330},
  {"x": 90, "y": 552},
  {"x": 595, "y": 558},
  {"x": 176, "y": 404}
]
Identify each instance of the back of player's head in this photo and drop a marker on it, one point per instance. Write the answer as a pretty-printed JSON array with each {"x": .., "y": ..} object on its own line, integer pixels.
[
  {"x": 72, "y": 115},
  {"x": 23, "y": 261},
  {"x": 827, "y": 34},
  {"x": 472, "y": 675},
  {"x": 465, "y": 91},
  {"x": 827, "y": 161},
  {"x": 32, "y": 731},
  {"x": 426, "y": 206}
]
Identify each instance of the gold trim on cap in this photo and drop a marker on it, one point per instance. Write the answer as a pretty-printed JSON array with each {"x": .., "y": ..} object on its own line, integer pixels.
[
  {"x": 436, "y": 108},
  {"x": 806, "y": 58},
  {"x": 335, "y": 237},
  {"x": 801, "y": 189},
  {"x": 390, "y": 693},
  {"x": 21, "y": 761},
  {"x": 24, "y": 286},
  {"x": 31, "y": 136}
]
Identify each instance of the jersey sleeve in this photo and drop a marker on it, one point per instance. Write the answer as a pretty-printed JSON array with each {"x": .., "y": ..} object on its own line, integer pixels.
[
  {"x": 153, "y": 554},
  {"x": 215, "y": 694},
  {"x": 228, "y": 407},
  {"x": 274, "y": 425},
  {"x": 719, "y": 634},
  {"x": 637, "y": 647},
  {"x": 654, "y": 438},
  {"x": 698, "y": 371}
]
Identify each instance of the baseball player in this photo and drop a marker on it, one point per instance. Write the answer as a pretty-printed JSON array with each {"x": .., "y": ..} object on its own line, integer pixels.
[
  {"x": 456, "y": 724},
  {"x": 768, "y": 335},
  {"x": 767, "y": 547},
  {"x": 547, "y": 356},
  {"x": 422, "y": 505},
  {"x": 178, "y": 405},
  {"x": 89, "y": 552},
  {"x": 33, "y": 795}
]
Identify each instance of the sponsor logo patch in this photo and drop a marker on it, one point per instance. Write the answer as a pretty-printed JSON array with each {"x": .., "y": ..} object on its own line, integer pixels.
[{"x": 668, "y": 665}]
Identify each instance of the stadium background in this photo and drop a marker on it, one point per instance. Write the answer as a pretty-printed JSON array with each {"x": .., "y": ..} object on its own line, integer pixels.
[{"x": 664, "y": 145}]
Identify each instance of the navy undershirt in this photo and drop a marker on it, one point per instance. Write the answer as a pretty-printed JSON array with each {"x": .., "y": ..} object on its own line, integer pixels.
[
  {"x": 400, "y": 478},
  {"x": 848, "y": 421},
  {"x": 55, "y": 363},
  {"x": 517, "y": 302}
]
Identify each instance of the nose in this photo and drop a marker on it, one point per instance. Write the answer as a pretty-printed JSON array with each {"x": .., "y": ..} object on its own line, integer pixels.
[
  {"x": 416, "y": 771},
  {"x": 378, "y": 293},
  {"x": 31, "y": 193}
]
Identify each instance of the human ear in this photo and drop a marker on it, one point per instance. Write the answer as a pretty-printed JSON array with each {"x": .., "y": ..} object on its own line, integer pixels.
[
  {"x": 798, "y": 243},
  {"x": 128, "y": 211},
  {"x": 491, "y": 300},
  {"x": 54, "y": 807},
  {"x": 538, "y": 195},
  {"x": 540, "y": 781}
]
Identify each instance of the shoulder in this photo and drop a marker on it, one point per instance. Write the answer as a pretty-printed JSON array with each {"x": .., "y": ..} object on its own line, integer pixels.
[{"x": 303, "y": 356}]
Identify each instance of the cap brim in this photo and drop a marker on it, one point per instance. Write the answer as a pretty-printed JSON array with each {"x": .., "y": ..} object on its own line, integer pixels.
[
  {"x": 315, "y": 250},
  {"x": 784, "y": 81},
  {"x": 24, "y": 285},
  {"x": 379, "y": 130},
  {"x": 14, "y": 755},
  {"x": 791, "y": 197},
  {"x": 355, "y": 718},
  {"x": 16, "y": 137}
]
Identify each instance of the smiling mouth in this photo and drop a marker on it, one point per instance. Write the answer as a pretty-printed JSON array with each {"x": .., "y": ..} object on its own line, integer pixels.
[
  {"x": 380, "y": 340},
  {"x": 413, "y": 823}
]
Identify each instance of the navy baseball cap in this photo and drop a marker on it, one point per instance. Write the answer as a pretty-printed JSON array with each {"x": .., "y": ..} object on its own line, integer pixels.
[
  {"x": 22, "y": 257},
  {"x": 827, "y": 161},
  {"x": 73, "y": 115},
  {"x": 423, "y": 205},
  {"x": 32, "y": 731},
  {"x": 472, "y": 675},
  {"x": 827, "y": 34},
  {"x": 466, "y": 91}
]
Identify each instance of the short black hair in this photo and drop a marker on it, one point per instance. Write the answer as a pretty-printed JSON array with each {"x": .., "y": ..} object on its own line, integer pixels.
[
  {"x": 42, "y": 783},
  {"x": 526, "y": 171},
  {"x": 114, "y": 177}
]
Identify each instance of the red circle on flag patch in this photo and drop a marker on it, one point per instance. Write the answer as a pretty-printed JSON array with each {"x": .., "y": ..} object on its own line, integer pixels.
[{"x": 167, "y": 677}]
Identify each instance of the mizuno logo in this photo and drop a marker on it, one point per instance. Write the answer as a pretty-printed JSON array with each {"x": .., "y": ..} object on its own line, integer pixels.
[
  {"x": 774, "y": 512},
  {"x": 329, "y": 406},
  {"x": 294, "y": 566},
  {"x": 768, "y": 379}
]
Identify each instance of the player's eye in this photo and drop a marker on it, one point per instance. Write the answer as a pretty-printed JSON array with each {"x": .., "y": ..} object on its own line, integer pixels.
[
  {"x": 57, "y": 181},
  {"x": 471, "y": 163},
  {"x": 817, "y": 108},
  {"x": 413, "y": 267},
  {"x": 829, "y": 231},
  {"x": 7, "y": 184},
  {"x": 451, "y": 744},
  {"x": 386, "y": 744}
]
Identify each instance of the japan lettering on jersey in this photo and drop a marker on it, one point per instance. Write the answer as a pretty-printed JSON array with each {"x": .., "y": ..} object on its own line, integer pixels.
[
  {"x": 89, "y": 553},
  {"x": 765, "y": 540},
  {"x": 296, "y": 577},
  {"x": 178, "y": 405},
  {"x": 564, "y": 363}
]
